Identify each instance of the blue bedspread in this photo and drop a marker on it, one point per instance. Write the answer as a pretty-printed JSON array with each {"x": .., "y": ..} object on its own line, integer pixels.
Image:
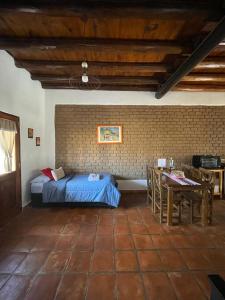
[
  {"x": 77, "y": 188},
  {"x": 54, "y": 191}
]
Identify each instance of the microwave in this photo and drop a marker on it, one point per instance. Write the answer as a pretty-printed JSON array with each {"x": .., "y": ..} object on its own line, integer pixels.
[{"x": 206, "y": 161}]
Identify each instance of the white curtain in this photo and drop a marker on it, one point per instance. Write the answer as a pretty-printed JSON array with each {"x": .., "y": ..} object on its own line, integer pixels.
[
  {"x": 7, "y": 125},
  {"x": 7, "y": 145}
]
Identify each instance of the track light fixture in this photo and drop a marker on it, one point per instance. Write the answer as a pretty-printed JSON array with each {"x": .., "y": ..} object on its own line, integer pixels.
[{"x": 84, "y": 77}]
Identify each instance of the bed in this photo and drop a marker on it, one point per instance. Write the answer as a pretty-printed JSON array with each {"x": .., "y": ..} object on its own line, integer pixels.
[{"x": 75, "y": 189}]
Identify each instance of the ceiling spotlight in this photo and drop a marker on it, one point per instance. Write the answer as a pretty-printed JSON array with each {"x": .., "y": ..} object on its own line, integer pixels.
[
  {"x": 84, "y": 77},
  {"x": 85, "y": 81},
  {"x": 84, "y": 65}
]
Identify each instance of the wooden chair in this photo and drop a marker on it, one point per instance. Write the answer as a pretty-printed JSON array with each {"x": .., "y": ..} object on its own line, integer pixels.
[
  {"x": 150, "y": 186},
  {"x": 187, "y": 169},
  {"x": 193, "y": 200},
  {"x": 210, "y": 178},
  {"x": 160, "y": 198}
]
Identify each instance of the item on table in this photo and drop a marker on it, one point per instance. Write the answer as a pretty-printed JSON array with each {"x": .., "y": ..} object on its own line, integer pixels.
[
  {"x": 171, "y": 163},
  {"x": 178, "y": 174},
  {"x": 161, "y": 163}
]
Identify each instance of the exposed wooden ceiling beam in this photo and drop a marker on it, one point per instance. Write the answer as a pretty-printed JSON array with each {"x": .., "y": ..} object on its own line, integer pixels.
[
  {"x": 211, "y": 41},
  {"x": 140, "y": 80},
  {"x": 199, "y": 88},
  {"x": 10, "y": 43},
  {"x": 141, "y": 8},
  {"x": 150, "y": 67},
  {"x": 109, "y": 87},
  {"x": 212, "y": 63},
  {"x": 204, "y": 77},
  {"x": 151, "y": 88},
  {"x": 115, "y": 80}
]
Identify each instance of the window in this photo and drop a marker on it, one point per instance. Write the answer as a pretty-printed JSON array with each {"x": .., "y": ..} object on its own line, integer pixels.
[{"x": 7, "y": 146}]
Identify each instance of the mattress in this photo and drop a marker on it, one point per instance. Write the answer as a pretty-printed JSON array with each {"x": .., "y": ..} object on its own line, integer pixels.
[
  {"x": 37, "y": 187},
  {"x": 36, "y": 184}
]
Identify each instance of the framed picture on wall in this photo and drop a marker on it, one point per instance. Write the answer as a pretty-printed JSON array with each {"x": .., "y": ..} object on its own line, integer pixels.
[
  {"x": 109, "y": 134},
  {"x": 30, "y": 133},
  {"x": 38, "y": 141}
]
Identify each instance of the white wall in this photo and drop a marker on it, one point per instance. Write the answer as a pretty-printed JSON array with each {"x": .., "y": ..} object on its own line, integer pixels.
[
  {"x": 54, "y": 97},
  {"x": 21, "y": 96}
]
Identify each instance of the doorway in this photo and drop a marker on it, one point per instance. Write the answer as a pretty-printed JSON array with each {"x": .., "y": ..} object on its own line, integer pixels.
[{"x": 10, "y": 170}]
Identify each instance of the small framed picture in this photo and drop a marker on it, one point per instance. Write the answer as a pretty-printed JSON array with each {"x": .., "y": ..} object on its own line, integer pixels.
[
  {"x": 38, "y": 141},
  {"x": 30, "y": 133},
  {"x": 109, "y": 134}
]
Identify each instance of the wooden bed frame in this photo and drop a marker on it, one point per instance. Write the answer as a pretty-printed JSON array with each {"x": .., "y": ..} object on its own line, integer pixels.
[{"x": 36, "y": 201}]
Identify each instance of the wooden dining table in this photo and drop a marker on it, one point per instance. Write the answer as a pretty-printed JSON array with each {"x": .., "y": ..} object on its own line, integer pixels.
[{"x": 172, "y": 186}]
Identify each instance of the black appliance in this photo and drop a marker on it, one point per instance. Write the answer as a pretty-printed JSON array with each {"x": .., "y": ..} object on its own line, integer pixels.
[{"x": 206, "y": 161}]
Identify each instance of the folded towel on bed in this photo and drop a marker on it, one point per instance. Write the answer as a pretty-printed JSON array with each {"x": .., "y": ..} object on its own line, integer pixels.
[{"x": 93, "y": 177}]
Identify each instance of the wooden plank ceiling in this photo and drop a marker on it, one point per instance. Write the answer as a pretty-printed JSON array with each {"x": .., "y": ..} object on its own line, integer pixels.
[{"x": 129, "y": 45}]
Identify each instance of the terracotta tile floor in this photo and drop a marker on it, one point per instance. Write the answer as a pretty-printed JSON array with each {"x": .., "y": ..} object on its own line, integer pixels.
[{"x": 96, "y": 253}]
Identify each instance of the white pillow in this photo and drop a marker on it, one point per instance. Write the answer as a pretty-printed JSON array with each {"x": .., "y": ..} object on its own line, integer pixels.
[
  {"x": 58, "y": 173},
  {"x": 40, "y": 179}
]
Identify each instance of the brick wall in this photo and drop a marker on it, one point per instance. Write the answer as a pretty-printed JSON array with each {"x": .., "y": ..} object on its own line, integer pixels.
[{"x": 149, "y": 132}]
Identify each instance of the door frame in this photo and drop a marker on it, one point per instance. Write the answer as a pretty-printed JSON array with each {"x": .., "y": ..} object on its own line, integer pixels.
[{"x": 18, "y": 158}]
